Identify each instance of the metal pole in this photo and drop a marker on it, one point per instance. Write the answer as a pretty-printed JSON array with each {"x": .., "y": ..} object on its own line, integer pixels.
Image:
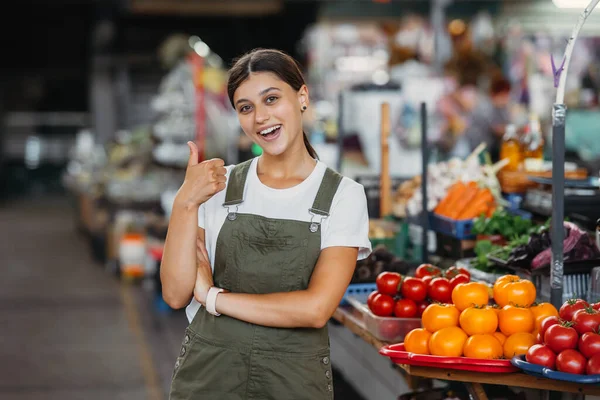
[
  {"x": 424, "y": 161},
  {"x": 557, "y": 232},
  {"x": 559, "y": 111}
]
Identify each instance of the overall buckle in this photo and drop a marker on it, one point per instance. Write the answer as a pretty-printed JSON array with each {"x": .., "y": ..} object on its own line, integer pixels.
[
  {"x": 314, "y": 226},
  {"x": 232, "y": 215}
]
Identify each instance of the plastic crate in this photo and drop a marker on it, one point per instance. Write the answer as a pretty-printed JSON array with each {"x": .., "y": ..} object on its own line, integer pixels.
[
  {"x": 459, "y": 229},
  {"x": 359, "y": 291},
  {"x": 387, "y": 329}
]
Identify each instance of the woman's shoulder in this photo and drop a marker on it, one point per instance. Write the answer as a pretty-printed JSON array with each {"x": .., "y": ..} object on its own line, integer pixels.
[{"x": 347, "y": 184}]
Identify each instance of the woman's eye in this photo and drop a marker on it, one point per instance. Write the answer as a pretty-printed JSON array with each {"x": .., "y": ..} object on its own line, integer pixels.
[
  {"x": 271, "y": 99},
  {"x": 244, "y": 109}
]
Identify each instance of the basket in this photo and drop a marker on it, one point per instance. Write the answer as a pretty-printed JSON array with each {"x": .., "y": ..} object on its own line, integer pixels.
[
  {"x": 387, "y": 329},
  {"x": 399, "y": 355},
  {"x": 543, "y": 372},
  {"x": 358, "y": 291},
  {"x": 459, "y": 229}
]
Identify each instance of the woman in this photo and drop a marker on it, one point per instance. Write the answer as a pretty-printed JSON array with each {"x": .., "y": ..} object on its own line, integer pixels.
[{"x": 275, "y": 247}]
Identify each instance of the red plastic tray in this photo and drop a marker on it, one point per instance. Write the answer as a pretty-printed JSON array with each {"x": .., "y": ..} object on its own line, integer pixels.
[{"x": 400, "y": 356}]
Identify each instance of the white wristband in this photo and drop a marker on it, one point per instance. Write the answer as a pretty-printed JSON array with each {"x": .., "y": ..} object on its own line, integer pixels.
[{"x": 211, "y": 300}]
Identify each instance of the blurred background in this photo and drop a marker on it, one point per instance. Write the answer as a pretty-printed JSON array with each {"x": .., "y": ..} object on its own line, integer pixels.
[{"x": 99, "y": 97}]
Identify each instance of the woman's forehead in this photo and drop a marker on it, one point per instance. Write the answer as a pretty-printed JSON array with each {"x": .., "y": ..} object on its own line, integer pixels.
[{"x": 257, "y": 83}]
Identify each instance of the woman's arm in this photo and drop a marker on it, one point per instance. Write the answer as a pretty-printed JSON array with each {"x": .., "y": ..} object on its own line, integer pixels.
[
  {"x": 178, "y": 266},
  {"x": 310, "y": 308}
]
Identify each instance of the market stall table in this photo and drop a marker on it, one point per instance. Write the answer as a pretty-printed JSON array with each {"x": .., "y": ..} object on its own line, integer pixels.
[{"x": 472, "y": 380}]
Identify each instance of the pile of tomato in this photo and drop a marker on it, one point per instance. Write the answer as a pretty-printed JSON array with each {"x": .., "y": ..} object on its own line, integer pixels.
[
  {"x": 569, "y": 342},
  {"x": 477, "y": 326},
  {"x": 408, "y": 297}
]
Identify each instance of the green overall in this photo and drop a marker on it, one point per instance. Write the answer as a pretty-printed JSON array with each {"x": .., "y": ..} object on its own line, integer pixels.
[{"x": 223, "y": 358}]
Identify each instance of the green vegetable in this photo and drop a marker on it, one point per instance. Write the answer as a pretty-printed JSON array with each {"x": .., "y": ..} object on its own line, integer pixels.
[{"x": 502, "y": 223}]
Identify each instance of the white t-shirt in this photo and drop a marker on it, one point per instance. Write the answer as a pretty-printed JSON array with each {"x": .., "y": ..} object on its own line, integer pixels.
[{"x": 347, "y": 224}]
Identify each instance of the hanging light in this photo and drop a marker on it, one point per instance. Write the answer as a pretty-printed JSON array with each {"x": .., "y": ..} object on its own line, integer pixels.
[{"x": 571, "y": 3}]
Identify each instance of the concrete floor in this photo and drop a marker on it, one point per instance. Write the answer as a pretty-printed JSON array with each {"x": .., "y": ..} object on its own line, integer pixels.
[{"x": 69, "y": 329}]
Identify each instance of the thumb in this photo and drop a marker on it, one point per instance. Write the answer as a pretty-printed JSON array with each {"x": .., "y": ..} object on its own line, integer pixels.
[{"x": 193, "y": 154}]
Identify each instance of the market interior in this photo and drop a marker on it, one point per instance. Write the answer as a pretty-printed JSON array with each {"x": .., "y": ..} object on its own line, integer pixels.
[{"x": 99, "y": 98}]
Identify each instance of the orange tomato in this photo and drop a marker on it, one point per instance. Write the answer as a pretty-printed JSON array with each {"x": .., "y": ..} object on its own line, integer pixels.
[
  {"x": 483, "y": 346},
  {"x": 541, "y": 311},
  {"x": 448, "y": 342},
  {"x": 504, "y": 279},
  {"x": 514, "y": 291},
  {"x": 439, "y": 316},
  {"x": 417, "y": 341},
  {"x": 518, "y": 344},
  {"x": 470, "y": 294},
  {"x": 500, "y": 336},
  {"x": 513, "y": 319},
  {"x": 478, "y": 321}
]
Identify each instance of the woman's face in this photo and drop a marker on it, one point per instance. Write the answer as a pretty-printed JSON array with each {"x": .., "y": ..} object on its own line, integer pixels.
[{"x": 269, "y": 111}]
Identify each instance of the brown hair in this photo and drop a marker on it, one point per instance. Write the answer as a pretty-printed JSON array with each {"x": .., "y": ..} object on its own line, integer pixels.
[{"x": 267, "y": 60}]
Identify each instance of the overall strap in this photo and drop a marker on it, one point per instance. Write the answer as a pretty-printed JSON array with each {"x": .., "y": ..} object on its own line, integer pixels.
[
  {"x": 236, "y": 183},
  {"x": 329, "y": 185}
]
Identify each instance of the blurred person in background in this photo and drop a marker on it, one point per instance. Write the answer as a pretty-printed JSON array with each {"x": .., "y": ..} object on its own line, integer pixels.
[
  {"x": 473, "y": 117},
  {"x": 262, "y": 252}
]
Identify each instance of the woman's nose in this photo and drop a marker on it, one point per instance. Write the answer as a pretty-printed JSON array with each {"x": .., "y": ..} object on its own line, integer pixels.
[{"x": 261, "y": 115}]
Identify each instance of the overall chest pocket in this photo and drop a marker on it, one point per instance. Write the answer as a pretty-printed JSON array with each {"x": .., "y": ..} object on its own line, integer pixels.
[{"x": 261, "y": 265}]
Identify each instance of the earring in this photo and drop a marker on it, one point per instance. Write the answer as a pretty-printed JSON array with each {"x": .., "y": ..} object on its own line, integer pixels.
[{"x": 303, "y": 108}]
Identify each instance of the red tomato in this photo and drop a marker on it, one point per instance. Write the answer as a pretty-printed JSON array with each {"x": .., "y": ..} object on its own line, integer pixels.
[
  {"x": 460, "y": 278},
  {"x": 426, "y": 279},
  {"x": 439, "y": 290},
  {"x": 596, "y": 306},
  {"x": 427, "y": 270},
  {"x": 541, "y": 355},
  {"x": 421, "y": 307},
  {"x": 586, "y": 320},
  {"x": 569, "y": 307},
  {"x": 405, "y": 308},
  {"x": 561, "y": 337},
  {"x": 547, "y": 323},
  {"x": 589, "y": 344},
  {"x": 593, "y": 365},
  {"x": 389, "y": 329},
  {"x": 539, "y": 339},
  {"x": 454, "y": 271},
  {"x": 371, "y": 297},
  {"x": 414, "y": 289},
  {"x": 382, "y": 305},
  {"x": 388, "y": 283},
  {"x": 571, "y": 361}
]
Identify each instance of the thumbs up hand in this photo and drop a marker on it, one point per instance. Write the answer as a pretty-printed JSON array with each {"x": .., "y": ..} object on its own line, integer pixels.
[{"x": 202, "y": 180}]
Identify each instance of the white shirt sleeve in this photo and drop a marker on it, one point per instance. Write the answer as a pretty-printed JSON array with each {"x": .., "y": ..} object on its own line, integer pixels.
[
  {"x": 348, "y": 223},
  {"x": 202, "y": 216}
]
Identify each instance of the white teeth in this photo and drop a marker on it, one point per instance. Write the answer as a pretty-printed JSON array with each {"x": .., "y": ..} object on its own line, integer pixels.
[{"x": 269, "y": 130}]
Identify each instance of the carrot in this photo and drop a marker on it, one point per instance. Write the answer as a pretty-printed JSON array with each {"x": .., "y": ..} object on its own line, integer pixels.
[
  {"x": 457, "y": 206},
  {"x": 480, "y": 204},
  {"x": 453, "y": 192},
  {"x": 473, "y": 212},
  {"x": 449, "y": 207}
]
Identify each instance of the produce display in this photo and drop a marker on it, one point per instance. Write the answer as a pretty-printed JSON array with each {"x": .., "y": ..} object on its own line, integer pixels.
[
  {"x": 501, "y": 224},
  {"x": 466, "y": 200},
  {"x": 570, "y": 341},
  {"x": 408, "y": 296},
  {"x": 445, "y": 175},
  {"x": 380, "y": 260},
  {"x": 532, "y": 249},
  {"x": 481, "y": 323}
]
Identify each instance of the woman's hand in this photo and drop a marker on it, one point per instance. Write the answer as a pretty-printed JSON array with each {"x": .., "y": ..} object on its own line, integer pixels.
[
  {"x": 202, "y": 180},
  {"x": 204, "y": 275}
]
